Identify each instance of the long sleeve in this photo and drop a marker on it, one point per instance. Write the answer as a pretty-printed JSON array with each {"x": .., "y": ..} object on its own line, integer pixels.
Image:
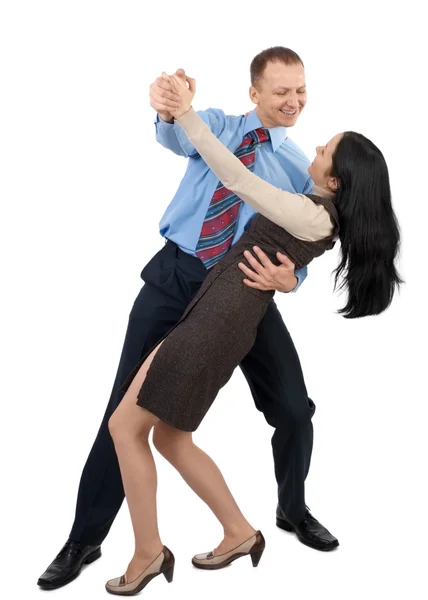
[
  {"x": 294, "y": 212},
  {"x": 301, "y": 275},
  {"x": 172, "y": 136}
]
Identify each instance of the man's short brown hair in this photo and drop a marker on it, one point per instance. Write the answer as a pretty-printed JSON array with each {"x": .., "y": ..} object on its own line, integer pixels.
[{"x": 275, "y": 54}]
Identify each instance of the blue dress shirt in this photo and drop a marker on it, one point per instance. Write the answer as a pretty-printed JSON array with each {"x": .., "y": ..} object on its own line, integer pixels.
[{"x": 278, "y": 161}]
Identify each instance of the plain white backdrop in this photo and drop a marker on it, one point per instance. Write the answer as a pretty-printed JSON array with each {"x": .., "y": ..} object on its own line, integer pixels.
[{"x": 83, "y": 185}]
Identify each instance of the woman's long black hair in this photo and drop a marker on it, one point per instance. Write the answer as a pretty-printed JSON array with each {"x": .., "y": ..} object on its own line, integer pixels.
[{"x": 369, "y": 232}]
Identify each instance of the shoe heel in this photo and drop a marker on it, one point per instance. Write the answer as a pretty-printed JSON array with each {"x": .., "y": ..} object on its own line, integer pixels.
[
  {"x": 169, "y": 574},
  {"x": 284, "y": 525},
  {"x": 92, "y": 557},
  {"x": 256, "y": 556}
]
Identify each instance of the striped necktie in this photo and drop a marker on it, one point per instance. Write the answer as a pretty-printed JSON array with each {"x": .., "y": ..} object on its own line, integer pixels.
[{"x": 221, "y": 220}]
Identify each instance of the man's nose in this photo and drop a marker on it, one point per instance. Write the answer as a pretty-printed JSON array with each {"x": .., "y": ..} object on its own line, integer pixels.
[
  {"x": 317, "y": 149},
  {"x": 293, "y": 101}
]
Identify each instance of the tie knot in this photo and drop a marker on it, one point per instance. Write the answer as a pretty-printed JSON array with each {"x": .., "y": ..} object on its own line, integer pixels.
[{"x": 259, "y": 135}]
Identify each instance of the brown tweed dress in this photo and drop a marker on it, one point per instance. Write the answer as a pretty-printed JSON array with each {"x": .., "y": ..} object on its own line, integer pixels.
[{"x": 199, "y": 354}]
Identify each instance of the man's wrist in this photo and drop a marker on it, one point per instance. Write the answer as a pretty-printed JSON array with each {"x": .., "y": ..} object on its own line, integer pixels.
[
  {"x": 167, "y": 117},
  {"x": 296, "y": 283}
]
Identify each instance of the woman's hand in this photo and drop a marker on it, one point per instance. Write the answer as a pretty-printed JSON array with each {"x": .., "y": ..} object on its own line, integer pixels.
[
  {"x": 184, "y": 89},
  {"x": 162, "y": 99}
]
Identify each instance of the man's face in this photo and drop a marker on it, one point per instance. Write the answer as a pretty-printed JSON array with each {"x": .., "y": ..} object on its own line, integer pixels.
[{"x": 280, "y": 94}]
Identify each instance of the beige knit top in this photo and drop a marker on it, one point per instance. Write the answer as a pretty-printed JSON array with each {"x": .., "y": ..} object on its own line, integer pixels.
[{"x": 296, "y": 213}]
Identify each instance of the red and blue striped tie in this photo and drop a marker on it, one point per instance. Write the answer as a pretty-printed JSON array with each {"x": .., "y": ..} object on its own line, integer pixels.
[{"x": 220, "y": 222}]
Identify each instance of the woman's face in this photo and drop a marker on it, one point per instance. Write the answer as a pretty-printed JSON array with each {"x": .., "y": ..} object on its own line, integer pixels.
[{"x": 320, "y": 169}]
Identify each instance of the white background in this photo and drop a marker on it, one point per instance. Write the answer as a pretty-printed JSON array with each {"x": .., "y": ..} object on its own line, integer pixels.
[{"x": 83, "y": 186}]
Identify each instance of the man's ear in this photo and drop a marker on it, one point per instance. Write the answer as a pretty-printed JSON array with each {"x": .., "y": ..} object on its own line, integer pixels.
[{"x": 254, "y": 95}]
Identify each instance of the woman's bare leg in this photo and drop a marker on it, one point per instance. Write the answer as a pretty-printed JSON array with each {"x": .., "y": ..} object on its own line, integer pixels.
[
  {"x": 130, "y": 426},
  {"x": 204, "y": 477}
]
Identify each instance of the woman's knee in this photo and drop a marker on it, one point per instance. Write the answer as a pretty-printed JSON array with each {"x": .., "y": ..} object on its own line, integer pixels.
[
  {"x": 125, "y": 429},
  {"x": 169, "y": 441},
  {"x": 117, "y": 428}
]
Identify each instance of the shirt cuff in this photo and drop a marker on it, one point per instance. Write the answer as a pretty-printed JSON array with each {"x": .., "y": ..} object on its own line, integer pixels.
[
  {"x": 301, "y": 275},
  {"x": 161, "y": 123}
]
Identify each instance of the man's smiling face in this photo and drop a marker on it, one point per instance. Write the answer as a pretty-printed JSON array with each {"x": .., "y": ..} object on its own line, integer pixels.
[{"x": 280, "y": 94}]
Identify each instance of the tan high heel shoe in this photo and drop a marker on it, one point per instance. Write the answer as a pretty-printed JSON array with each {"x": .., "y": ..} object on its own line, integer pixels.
[
  {"x": 254, "y": 547},
  {"x": 163, "y": 564}
]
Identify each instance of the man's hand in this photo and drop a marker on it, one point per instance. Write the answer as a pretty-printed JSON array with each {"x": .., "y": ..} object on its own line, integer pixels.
[
  {"x": 184, "y": 89},
  {"x": 267, "y": 276},
  {"x": 163, "y": 98}
]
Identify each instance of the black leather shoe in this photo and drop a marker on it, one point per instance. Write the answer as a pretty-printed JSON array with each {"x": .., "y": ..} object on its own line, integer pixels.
[
  {"x": 68, "y": 564},
  {"x": 309, "y": 531}
]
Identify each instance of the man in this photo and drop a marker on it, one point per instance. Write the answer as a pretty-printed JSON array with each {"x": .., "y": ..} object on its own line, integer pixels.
[{"x": 272, "y": 368}]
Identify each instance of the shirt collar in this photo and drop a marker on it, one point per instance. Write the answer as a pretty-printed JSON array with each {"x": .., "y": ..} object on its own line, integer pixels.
[{"x": 277, "y": 134}]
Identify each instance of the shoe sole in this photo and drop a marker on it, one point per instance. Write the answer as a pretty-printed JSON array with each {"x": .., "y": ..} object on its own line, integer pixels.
[
  {"x": 255, "y": 557},
  {"x": 88, "y": 560},
  {"x": 287, "y": 527},
  {"x": 168, "y": 574},
  {"x": 138, "y": 589}
]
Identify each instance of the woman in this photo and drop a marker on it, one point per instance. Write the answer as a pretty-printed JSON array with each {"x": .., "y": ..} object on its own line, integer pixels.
[{"x": 173, "y": 387}]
